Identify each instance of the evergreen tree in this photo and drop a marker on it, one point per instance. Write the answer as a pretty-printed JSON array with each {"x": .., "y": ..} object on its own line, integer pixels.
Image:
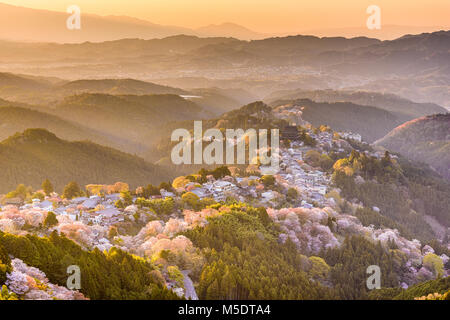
[
  {"x": 72, "y": 190},
  {"x": 50, "y": 220},
  {"x": 47, "y": 187}
]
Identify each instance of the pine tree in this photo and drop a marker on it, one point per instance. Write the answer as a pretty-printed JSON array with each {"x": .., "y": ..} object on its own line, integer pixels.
[
  {"x": 50, "y": 220},
  {"x": 47, "y": 187}
]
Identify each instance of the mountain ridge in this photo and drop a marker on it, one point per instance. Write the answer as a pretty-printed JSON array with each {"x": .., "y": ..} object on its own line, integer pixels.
[
  {"x": 36, "y": 154},
  {"x": 425, "y": 139}
]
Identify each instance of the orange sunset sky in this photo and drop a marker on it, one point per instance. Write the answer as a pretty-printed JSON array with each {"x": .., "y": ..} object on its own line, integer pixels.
[{"x": 262, "y": 15}]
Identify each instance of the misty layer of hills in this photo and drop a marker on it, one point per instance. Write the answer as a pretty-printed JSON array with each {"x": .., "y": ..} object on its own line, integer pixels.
[
  {"x": 415, "y": 67},
  {"x": 137, "y": 117},
  {"x": 104, "y": 112},
  {"x": 127, "y": 94}
]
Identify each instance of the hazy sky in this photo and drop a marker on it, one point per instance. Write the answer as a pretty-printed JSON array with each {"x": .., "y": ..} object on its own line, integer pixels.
[{"x": 262, "y": 15}]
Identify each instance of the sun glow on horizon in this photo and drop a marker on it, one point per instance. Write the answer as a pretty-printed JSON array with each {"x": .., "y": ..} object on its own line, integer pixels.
[{"x": 269, "y": 16}]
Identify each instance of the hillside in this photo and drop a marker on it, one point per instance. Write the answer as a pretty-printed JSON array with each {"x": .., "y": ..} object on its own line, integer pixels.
[
  {"x": 29, "y": 89},
  {"x": 118, "y": 86},
  {"x": 370, "y": 122},
  {"x": 37, "y": 154},
  {"x": 134, "y": 118},
  {"x": 425, "y": 139},
  {"x": 404, "y": 108},
  {"x": 255, "y": 115},
  {"x": 18, "y": 119},
  {"x": 218, "y": 100},
  {"x": 13, "y": 86}
]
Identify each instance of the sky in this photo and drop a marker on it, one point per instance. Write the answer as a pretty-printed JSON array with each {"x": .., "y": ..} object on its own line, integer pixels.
[{"x": 262, "y": 15}]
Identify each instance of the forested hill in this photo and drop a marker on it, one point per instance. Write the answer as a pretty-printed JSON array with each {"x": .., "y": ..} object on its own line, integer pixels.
[
  {"x": 17, "y": 119},
  {"x": 425, "y": 139},
  {"x": 404, "y": 108},
  {"x": 37, "y": 154},
  {"x": 118, "y": 86},
  {"x": 371, "y": 122}
]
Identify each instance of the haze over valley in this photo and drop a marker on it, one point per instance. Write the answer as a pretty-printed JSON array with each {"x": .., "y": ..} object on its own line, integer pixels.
[{"x": 356, "y": 122}]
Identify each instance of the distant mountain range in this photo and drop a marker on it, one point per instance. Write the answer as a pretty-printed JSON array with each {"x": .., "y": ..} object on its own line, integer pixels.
[
  {"x": 50, "y": 26},
  {"x": 233, "y": 30},
  {"x": 30, "y": 90},
  {"x": 425, "y": 139},
  {"x": 387, "y": 32},
  {"x": 118, "y": 86},
  {"x": 416, "y": 67},
  {"x": 37, "y": 154}
]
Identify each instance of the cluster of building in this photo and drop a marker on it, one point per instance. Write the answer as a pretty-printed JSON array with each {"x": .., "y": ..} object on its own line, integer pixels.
[
  {"x": 311, "y": 183},
  {"x": 351, "y": 136},
  {"x": 89, "y": 210}
]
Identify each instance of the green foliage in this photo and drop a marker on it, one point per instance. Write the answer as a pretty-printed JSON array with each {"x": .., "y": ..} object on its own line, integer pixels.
[
  {"x": 369, "y": 217},
  {"x": 430, "y": 192},
  {"x": 349, "y": 264},
  {"x": 325, "y": 162},
  {"x": 312, "y": 157},
  {"x": 72, "y": 190},
  {"x": 423, "y": 289},
  {"x": 191, "y": 200},
  {"x": 166, "y": 186},
  {"x": 126, "y": 198},
  {"x": 371, "y": 122},
  {"x": 245, "y": 261},
  {"x": 316, "y": 159},
  {"x": 401, "y": 192},
  {"x": 434, "y": 263},
  {"x": 151, "y": 190},
  {"x": 36, "y": 154},
  {"x": 292, "y": 193},
  {"x": 319, "y": 268},
  {"x": 47, "y": 187},
  {"x": 112, "y": 232},
  {"x": 423, "y": 140},
  {"x": 38, "y": 195},
  {"x": 21, "y": 192},
  {"x": 268, "y": 180},
  {"x": 306, "y": 138},
  {"x": 162, "y": 207},
  {"x": 384, "y": 293},
  {"x": 176, "y": 275},
  {"x": 5, "y": 264},
  {"x": 217, "y": 173},
  {"x": 50, "y": 220},
  {"x": 384, "y": 170},
  {"x": 104, "y": 275},
  {"x": 6, "y": 295}
]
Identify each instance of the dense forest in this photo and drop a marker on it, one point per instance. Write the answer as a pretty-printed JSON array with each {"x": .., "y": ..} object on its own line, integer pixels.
[
  {"x": 245, "y": 261},
  {"x": 37, "y": 154},
  {"x": 105, "y": 275},
  {"x": 402, "y": 191}
]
